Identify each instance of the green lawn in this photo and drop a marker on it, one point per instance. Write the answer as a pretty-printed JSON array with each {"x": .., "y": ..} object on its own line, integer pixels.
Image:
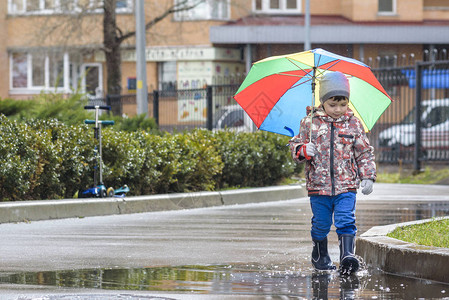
[
  {"x": 433, "y": 233},
  {"x": 428, "y": 176}
]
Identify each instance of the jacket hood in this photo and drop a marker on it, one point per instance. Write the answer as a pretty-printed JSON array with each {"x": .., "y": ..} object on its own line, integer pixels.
[{"x": 318, "y": 112}]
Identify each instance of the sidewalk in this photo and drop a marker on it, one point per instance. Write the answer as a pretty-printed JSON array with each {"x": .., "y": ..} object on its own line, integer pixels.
[
  {"x": 25, "y": 211},
  {"x": 378, "y": 251}
]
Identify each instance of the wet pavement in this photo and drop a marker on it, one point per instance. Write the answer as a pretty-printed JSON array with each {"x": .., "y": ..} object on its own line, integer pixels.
[{"x": 251, "y": 251}]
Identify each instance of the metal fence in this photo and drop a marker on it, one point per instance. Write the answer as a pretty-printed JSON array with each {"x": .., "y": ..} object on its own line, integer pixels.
[
  {"x": 419, "y": 90},
  {"x": 211, "y": 106},
  {"x": 415, "y": 127}
]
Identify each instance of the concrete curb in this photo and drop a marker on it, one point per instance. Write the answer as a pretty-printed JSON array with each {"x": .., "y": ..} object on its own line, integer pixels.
[
  {"x": 403, "y": 258},
  {"x": 71, "y": 208}
]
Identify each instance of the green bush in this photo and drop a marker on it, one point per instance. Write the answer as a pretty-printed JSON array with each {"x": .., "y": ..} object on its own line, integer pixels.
[
  {"x": 46, "y": 106},
  {"x": 74, "y": 161},
  {"x": 253, "y": 159},
  {"x": 70, "y": 111},
  {"x": 47, "y": 159},
  {"x": 136, "y": 123},
  {"x": 42, "y": 159},
  {"x": 176, "y": 163},
  {"x": 11, "y": 107}
]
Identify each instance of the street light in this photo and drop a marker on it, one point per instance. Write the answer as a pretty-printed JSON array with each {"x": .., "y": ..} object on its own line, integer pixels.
[
  {"x": 141, "y": 64},
  {"x": 307, "y": 43}
]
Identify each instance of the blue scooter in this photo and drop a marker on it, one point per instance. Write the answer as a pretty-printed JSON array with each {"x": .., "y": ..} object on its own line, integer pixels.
[{"x": 99, "y": 189}]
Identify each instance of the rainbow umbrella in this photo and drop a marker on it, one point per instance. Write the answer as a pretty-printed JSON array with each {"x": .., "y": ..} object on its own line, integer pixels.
[{"x": 277, "y": 90}]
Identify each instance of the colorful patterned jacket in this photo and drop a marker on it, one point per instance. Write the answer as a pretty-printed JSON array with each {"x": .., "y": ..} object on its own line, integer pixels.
[{"x": 343, "y": 158}]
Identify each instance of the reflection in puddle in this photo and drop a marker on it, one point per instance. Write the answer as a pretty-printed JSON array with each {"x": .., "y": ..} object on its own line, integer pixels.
[{"x": 239, "y": 279}]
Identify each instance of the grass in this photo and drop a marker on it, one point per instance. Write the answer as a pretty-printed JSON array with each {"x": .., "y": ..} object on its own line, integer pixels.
[
  {"x": 433, "y": 233},
  {"x": 427, "y": 176}
]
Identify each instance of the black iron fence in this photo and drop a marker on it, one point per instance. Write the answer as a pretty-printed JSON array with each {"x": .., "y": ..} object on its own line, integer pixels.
[
  {"x": 211, "y": 106},
  {"x": 414, "y": 128}
]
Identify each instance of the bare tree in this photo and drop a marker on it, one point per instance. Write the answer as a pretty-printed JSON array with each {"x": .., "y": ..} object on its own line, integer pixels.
[
  {"x": 75, "y": 29},
  {"x": 114, "y": 37}
]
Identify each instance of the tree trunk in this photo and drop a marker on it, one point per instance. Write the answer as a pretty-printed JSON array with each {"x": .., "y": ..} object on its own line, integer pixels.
[
  {"x": 113, "y": 38},
  {"x": 112, "y": 49}
]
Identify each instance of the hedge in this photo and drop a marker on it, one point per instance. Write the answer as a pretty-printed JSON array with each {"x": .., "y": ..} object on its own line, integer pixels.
[{"x": 47, "y": 159}]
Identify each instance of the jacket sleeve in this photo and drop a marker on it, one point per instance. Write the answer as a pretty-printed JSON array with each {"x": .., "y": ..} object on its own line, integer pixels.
[
  {"x": 364, "y": 155},
  {"x": 302, "y": 138}
]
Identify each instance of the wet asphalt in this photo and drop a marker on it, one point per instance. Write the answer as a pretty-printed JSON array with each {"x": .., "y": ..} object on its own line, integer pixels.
[{"x": 250, "y": 251}]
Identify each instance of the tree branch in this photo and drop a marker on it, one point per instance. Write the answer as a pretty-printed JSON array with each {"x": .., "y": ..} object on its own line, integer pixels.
[{"x": 180, "y": 6}]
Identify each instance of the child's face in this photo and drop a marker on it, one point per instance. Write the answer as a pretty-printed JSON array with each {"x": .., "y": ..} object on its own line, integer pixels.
[{"x": 336, "y": 108}]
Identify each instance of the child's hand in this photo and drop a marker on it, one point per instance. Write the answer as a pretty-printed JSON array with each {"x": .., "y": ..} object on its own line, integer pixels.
[
  {"x": 308, "y": 150},
  {"x": 367, "y": 186}
]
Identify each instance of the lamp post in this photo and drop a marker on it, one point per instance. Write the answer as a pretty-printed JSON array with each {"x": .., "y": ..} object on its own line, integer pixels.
[
  {"x": 307, "y": 43},
  {"x": 141, "y": 64}
]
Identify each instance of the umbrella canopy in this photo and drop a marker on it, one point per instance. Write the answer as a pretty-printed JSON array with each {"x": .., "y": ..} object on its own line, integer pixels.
[{"x": 277, "y": 90}]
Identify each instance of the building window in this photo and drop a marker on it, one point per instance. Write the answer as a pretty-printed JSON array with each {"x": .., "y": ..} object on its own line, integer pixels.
[
  {"x": 38, "y": 62},
  {"x": 202, "y": 10},
  {"x": 25, "y": 7},
  {"x": 33, "y": 72},
  {"x": 387, "y": 6},
  {"x": 277, "y": 6},
  {"x": 56, "y": 70},
  {"x": 167, "y": 76},
  {"x": 19, "y": 68}
]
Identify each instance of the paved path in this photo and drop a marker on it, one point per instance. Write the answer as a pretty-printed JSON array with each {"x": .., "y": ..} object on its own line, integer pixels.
[{"x": 250, "y": 240}]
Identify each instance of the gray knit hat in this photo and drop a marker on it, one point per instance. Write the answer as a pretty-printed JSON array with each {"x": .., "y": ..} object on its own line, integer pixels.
[{"x": 333, "y": 84}]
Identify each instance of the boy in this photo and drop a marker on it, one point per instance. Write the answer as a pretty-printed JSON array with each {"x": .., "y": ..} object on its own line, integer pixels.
[{"x": 338, "y": 157}]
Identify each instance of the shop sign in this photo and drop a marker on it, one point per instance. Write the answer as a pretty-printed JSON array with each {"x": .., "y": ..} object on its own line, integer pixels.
[{"x": 179, "y": 53}]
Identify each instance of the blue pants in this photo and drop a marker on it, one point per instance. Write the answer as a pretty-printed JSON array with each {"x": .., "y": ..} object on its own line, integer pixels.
[{"x": 342, "y": 207}]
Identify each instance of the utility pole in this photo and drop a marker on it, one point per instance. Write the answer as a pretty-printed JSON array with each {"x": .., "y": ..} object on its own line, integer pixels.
[
  {"x": 307, "y": 43},
  {"x": 141, "y": 63}
]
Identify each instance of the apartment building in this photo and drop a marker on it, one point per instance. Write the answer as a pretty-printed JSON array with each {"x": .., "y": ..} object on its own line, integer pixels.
[
  {"x": 56, "y": 45},
  {"x": 359, "y": 29}
]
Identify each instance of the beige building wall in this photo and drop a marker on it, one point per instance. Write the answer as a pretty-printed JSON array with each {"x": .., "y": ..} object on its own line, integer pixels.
[
  {"x": 411, "y": 10},
  {"x": 44, "y": 31},
  {"x": 19, "y": 32},
  {"x": 436, "y": 14},
  {"x": 324, "y": 7}
]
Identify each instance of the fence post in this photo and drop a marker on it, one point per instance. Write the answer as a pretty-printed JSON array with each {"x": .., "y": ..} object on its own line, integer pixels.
[
  {"x": 418, "y": 112},
  {"x": 209, "y": 107},
  {"x": 108, "y": 101},
  {"x": 156, "y": 106}
]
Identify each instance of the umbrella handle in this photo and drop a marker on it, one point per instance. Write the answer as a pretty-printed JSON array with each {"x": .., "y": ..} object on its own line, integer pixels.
[
  {"x": 311, "y": 119},
  {"x": 313, "y": 102}
]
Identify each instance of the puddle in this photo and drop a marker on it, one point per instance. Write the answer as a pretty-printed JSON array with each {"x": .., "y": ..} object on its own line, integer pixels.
[{"x": 248, "y": 279}]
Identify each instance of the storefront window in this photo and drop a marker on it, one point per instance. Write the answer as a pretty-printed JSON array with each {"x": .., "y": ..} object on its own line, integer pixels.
[{"x": 167, "y": 75}]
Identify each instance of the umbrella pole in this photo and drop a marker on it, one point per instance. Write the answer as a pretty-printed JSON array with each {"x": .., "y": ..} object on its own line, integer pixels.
[{"x": 313, "y": 101}]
